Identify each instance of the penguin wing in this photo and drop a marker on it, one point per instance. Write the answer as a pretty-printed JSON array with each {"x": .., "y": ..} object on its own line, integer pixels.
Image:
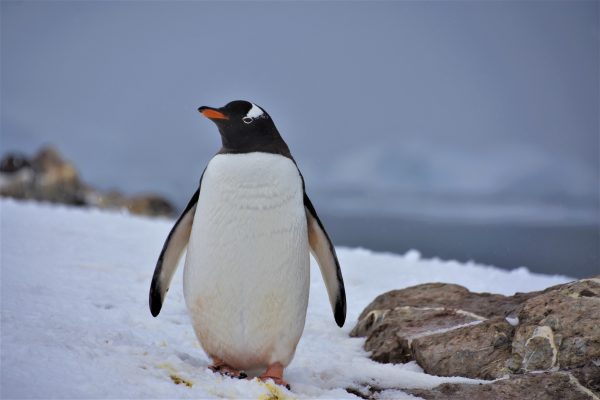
[
  {"x": 323, "y": 251},
  {"x": 169, "y": 256}
]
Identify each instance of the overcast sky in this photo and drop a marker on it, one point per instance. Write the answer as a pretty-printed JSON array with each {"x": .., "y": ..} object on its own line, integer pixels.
[{"x": 393, "y": 100}]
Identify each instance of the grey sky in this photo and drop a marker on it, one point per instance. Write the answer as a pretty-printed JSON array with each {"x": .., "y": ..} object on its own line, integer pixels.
[{"x": 392, "y": 100}]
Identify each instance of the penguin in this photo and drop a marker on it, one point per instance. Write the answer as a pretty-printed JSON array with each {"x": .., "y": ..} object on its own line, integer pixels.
[{"x": 249, "y": 229}]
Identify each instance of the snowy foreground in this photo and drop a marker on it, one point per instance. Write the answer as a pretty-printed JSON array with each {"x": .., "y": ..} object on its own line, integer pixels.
[{"x": 76, "y": 324}]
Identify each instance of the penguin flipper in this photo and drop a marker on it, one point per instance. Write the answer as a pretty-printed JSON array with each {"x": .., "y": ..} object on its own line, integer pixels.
[
  {"x": 323, "y": 251},
  {"x": 169, "y": 256}
]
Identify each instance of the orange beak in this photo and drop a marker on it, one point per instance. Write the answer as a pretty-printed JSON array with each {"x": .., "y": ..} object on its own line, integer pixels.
[{"x": 212, "y": 114}]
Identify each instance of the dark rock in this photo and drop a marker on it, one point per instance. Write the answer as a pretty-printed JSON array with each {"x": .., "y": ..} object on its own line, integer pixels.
[
  {"x": 12, "y": 163},
  {"x": 476, "y": 351},
  {"x": 540, "y": 386},
  {"x": 589, "y": 376},
  {"x": 559, "y": 328}
]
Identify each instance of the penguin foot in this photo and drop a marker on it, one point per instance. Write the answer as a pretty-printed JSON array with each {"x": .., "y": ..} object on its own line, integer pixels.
[
  {"x": 224, "y": 369},
  {"x": 275, "y": 372}
]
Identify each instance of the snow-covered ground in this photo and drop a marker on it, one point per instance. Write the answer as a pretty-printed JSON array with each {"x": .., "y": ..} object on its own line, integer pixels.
[{"x": 76, "y": 324}]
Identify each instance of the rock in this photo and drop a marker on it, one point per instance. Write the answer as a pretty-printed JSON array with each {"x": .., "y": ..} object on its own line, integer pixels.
[
  {"x": 427, "y": 315},
  {"x": 559, "y": 328},
  {"x": 589, "y": 376},
  {"x": 475, "y": 351},
  {"x": 46, "y": 177},
  {"x": 448, "y": 296},
  {"x": 150, "y": 204},
  {"x": 19, "y": 183},
  {"x": 53, "y": 169},
  {"x": 56, "y": 180},
  {"x": 539, "y": 386},
  {"x": 12, "y": 163},
  {"x": 450, "y": 331},
  {"x": 49, "y": 177},
  {"x": 391, "y": 332}
]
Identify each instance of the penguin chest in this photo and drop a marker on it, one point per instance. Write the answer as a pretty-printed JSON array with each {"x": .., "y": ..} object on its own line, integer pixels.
[{"x": 246, "y": 276}]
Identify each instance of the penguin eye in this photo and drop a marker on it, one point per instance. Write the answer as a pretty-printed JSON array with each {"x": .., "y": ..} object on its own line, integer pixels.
[{"x": 247, "y": 120}]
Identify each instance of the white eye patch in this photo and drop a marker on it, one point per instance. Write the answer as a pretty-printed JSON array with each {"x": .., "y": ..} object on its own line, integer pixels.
[{"x": 255, "y": 112}]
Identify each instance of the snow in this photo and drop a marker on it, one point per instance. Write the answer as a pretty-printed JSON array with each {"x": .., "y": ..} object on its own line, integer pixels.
[{"x": 75, "y": 321}]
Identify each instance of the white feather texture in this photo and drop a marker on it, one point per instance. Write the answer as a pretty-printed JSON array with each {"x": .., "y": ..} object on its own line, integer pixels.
[
  {"x": 246, "y": 276},
  {"x": 254, "y": 112}
]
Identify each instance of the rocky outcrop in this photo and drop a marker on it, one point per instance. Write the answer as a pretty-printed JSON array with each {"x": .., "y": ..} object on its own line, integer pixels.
[
  {"x": 540, "y": 386},
  {"x": 444, "y": 327},
  {"x": 449, "y": 296},
  {"x": 47, "y": 176},
  {"x": 390, "y": 345},
  {"x": 450, "y": 331},
  {"x": 477, "y": 351},
  {"x": 588, "y": 376},
  {"x": 559, "y": 328},
  {"x": 13, "y": 163}
]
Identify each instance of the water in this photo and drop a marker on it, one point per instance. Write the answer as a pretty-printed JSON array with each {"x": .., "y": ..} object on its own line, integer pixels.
[{"x": 567, "y": 249}]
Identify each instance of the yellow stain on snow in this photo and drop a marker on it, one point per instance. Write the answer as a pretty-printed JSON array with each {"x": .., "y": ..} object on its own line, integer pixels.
[
  {"x": 274, "y": 392},
  {"x": 178, "y": 380},
  {"x": 166, "y": 366}
]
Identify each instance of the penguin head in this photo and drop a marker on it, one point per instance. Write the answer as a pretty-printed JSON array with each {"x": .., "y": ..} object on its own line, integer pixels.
[{"x": 242, "y": 125}]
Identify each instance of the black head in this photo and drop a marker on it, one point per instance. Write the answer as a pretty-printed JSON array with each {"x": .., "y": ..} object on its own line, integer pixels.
[{"x": 246, "y": 127}]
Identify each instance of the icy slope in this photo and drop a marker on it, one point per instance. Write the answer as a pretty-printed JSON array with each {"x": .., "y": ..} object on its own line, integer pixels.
[{"x": 75, "y": 319}]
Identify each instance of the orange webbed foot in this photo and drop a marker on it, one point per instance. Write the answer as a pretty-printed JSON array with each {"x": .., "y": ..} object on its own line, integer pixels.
[
  {"x": 222, "y": 368},
  {"x": 275, "y": 372}
]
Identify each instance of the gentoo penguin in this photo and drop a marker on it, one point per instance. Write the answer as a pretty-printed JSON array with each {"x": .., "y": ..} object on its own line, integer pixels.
[{"x": 249, "y": 229}]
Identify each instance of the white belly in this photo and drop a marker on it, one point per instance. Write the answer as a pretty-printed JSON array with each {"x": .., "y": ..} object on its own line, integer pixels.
[{"x": 246, "y": 278}]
